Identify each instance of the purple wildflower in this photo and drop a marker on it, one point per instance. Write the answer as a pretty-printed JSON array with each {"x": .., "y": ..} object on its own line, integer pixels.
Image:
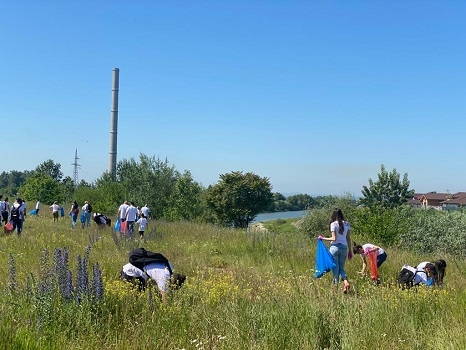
[{"x": 97, "y": 283}]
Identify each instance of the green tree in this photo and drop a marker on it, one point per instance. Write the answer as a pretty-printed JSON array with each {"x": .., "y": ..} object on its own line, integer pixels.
[
  {"x": 300, "y": 201},
  {"x": 186, "y": 199},
  {"x": 11, "y": 182},
  {"x": 237, "y": 198},
  {"x": 150, "y": 181},
  {"x": 388, "y": 191},
  {"x": 107, "y": 195},
  {"x": 42, "y": 187},
  {"x": 278, "y": 203},
  {"x": 67, "y": 185},
  {"x": 317, "y": 220},
  {"x": 50, "y": 168}
]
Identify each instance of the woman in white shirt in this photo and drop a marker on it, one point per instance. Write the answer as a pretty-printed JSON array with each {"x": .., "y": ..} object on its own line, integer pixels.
[
  {"x": 340, "y": 241},
  {"x": 364, "y": 251}
]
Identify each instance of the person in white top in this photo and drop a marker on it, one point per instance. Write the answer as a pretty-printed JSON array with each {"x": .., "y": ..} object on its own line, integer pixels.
[
  {"x": 122, "y": 211},
  {"x": 55, "y": 210},
  {"x": 426, "y": 273},
  {"x": 364, "y": 251},
  {"x": 131, "y": 215},
  {"x": 142, "y": 222},
  {"x": 86, "y": 214},
  {"x": 146, "y": 211},
  {"x": 37, "y": 207},
  {"x": 340, "y": 241},
  {"x": 163, "y": 275}
]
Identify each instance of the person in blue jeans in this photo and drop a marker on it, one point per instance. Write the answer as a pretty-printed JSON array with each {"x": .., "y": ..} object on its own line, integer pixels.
[{"x": 340, "y": 241}]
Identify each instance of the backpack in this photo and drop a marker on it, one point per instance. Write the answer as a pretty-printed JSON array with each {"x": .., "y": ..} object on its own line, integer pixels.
[
  {"x": 141, "y": 258},
  {"x": 89, "y": 208},
  {"x": 15, "y": 212},
  {"x": 406, "y": 277}
]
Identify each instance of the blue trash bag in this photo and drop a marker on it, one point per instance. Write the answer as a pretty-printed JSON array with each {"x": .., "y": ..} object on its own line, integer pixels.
[
  {"x": 83, "y": 217},
  {"x": 33, "y": 212},
  {"x": 324, "y": 260},
  {"x": 117, "y": 225},
  {"x": 62, "y": 212}
]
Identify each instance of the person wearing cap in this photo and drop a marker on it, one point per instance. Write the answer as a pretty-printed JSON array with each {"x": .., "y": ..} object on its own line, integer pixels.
[{"x": 131, "y": 273}]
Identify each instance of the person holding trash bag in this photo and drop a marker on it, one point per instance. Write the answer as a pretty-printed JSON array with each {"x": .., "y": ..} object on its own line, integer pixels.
[
  {"x": 365, "y": 251},
  {"x": 324, "y": 260},
  {"x": 340, "y": 241}
]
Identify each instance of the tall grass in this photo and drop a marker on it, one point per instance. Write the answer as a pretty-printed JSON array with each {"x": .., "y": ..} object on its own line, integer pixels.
[{"x": 245, "y": 290}]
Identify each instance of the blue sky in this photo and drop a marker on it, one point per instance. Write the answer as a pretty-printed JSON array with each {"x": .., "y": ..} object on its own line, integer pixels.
[{"x": 314, "y": 95}]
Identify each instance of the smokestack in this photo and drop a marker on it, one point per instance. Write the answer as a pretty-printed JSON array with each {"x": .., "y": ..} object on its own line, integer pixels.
[{"x": 112, "y": 159}]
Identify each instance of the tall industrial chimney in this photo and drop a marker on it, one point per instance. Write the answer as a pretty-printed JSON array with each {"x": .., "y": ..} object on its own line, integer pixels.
[{"x": 112, "y": 159}]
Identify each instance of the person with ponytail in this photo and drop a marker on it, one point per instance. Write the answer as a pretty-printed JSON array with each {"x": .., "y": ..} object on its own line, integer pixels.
[{"x": 340, "y": 243}]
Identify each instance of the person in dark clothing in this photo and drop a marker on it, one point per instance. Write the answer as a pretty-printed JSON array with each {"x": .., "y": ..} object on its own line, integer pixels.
[{"x": 101, "y": 220}]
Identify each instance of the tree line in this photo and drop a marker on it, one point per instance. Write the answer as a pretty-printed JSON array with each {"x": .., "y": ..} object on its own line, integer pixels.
[{"x": 235, "y": 200}]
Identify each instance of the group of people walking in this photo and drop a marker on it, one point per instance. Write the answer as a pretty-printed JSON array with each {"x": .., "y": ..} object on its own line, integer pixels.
[
  {"x": 129, "y": 215},
  {"x": 14, "y": 215},
  {"x": 427, "y": 273}
]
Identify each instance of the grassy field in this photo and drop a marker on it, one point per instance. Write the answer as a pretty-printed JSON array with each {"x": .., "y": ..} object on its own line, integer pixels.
[{"x": 245, "y": 290}]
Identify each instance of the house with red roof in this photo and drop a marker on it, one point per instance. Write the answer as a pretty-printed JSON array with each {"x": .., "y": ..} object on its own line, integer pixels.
[
  {"x": 435, "y": 200},
  {"x": 456, "y": 201}
]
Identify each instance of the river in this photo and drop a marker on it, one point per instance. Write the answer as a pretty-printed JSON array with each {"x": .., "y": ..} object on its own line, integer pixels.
[{"x": 280, "y": 215}]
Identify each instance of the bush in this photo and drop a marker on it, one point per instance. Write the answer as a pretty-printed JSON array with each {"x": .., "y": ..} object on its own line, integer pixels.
[
  {"x": 317, "y": 221},
  {"x": 382, "y": 226},
  {"x": 435, "y": 231}
]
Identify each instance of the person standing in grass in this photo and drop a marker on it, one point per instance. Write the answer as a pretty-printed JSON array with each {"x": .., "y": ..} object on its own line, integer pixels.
[
  {"x": 37, "y": 207},
  {"x": 74, "y": 211},
  {"x": 5, "y": 210},
  {"x": 2, "y": 208},
  {"x": 340, "y": 241},
  {"x": 146, "y": 211},
  {"x": 142, "y": 222},
  {"x": 18, "y": 213},
  {"x": 86, "y": 211},
  {"x": 131, "y": 214},
  {"x": 364, "y": 250},
  {"x": 122, "y": 211},
  {"x": 55, "y": 207}
]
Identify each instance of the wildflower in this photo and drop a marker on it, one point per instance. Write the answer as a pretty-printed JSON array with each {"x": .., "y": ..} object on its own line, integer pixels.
[{"x": 97, "y": 285}]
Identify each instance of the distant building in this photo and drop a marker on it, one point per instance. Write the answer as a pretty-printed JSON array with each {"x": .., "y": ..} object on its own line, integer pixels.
[
  {"x": 457, "y": 201},
  {"x": 434, "y": 200}
]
